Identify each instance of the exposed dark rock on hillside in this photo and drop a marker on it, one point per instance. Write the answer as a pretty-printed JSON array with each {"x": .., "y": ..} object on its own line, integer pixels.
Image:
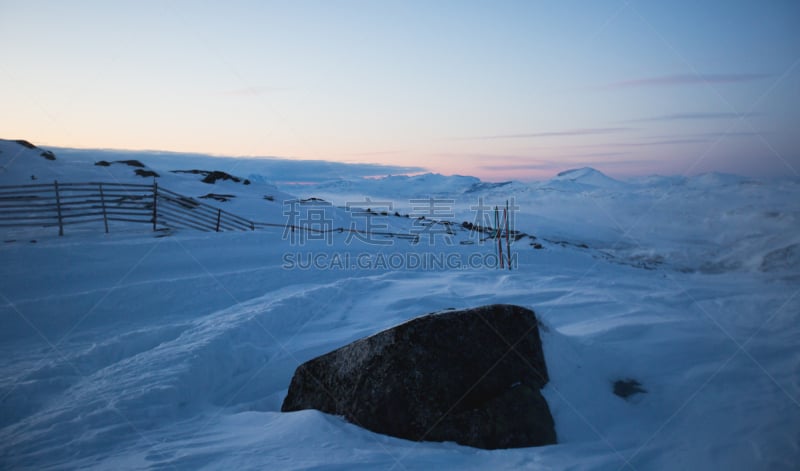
[
  {"x": 212, "y": 176},
  {"x": 471, "y": 376},
  {"x": 218, "y": 197},
  {"x": 145, "y": 173},
  {"x": 47, "y": 154},
  {"x": 628, "y": 387}
]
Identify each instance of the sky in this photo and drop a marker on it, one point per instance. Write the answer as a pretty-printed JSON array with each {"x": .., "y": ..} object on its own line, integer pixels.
[{"x": 496, "y": 89}]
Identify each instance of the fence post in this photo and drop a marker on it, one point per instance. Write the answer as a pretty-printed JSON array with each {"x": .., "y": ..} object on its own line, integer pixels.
[
  {"x": 103, "y": 204},
  {"x": 506, "y": 216},
  {"x": 155, "y": 204},
  {"x": 219, "y": 215},
  {"x": 498, "y": 235},
  {"x": 58, "y": 209},
  {"x": 252, "y": 226}
]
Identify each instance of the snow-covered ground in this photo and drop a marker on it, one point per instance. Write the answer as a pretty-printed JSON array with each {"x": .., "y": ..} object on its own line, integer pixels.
[{"x": 131, "y": 351}]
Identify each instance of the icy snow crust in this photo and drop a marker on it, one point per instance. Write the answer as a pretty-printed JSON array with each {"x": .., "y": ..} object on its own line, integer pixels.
[{"x": 130, "y": 351}]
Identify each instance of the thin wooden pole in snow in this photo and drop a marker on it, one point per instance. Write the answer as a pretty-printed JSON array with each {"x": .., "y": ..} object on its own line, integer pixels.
[
  {"x": 500, "y": 239},
  {"x": 58, "y": 210},
  {"x": 508, "y": 236},
  {"x": 155, "y": 204},
  {"x": 499, "y": 236},
  {"x": 496, "y": 225},
  {"x": 103, "y": 204}
]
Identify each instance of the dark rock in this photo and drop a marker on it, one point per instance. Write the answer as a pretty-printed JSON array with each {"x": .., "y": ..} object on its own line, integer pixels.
[
  {"x": 211, "y": 177},
  {"x": 47, "y": 154},
  {"x": 628, "y": 387},
  {"x": 565, "y": 243},
  {"x": 478, "y": 228},
  {"x": 218, "y": 197},
  {"x": 195, "y": 172},
  {"x": 141, "y": 169},
  {"x": 25, "y": 143},
  {"x": 132, "y": 163},
  {"x": 145, "y": 173},
  {"x": 470, "y": 376}
]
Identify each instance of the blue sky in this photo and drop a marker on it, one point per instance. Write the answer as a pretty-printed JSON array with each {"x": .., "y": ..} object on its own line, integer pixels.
[{"x": 494, "y": 89}]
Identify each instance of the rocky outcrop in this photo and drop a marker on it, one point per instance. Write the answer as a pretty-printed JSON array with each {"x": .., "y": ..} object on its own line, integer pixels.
[
  {"x": 47, "y": 154},
  {"x": 212, "y": 176},
  {"x": 471, "y": 376}
]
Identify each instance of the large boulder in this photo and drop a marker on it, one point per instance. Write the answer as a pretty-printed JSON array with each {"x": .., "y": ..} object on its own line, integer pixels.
[{"x": 471, "y": 376}]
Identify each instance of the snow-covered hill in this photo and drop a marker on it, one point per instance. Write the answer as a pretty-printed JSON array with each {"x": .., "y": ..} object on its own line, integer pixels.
[
  {"x": 391, "y": 187},
  {"x": 583, "y": 178},
  {"x": 133, "y": 351},
  {"x": 708, "y": 222}
]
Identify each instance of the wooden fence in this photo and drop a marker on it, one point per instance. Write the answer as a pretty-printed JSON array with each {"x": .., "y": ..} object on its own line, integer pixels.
[
  {"x": 64, "y": 204},
  {"x": 175, "y": 210}
]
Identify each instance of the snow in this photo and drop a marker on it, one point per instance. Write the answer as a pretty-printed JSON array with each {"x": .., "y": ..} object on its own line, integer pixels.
[
  {"x": 129, "y": 351},
  {"x": 586, "y": 176}
]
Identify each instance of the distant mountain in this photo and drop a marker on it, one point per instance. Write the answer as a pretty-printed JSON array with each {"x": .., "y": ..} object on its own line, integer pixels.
[
  {"x": 589, "y": 176},
  {"x": 582, "y": 179},
  {"x": 433, "y": 184},
  {"x": 399, "y": 185}
]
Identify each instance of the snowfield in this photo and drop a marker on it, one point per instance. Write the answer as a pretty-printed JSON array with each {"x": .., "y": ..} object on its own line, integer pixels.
[{"x": 174, "y": 350}]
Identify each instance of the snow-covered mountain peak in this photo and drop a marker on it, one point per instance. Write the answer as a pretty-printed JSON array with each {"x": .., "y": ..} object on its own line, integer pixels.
[
  {"x": 582, "y": 179},
  {"x": 588, "y": 176},
  {"x": 575, "y": 173}
]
